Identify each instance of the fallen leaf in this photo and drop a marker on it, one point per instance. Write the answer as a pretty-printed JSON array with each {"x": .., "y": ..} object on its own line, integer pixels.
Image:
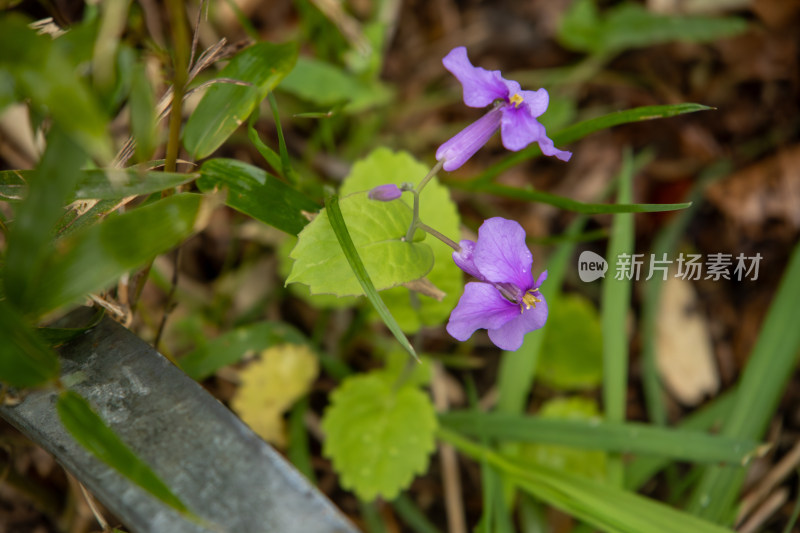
[
  {"x": 685, "y": 356},
  {"x": 271, "y": 385}
]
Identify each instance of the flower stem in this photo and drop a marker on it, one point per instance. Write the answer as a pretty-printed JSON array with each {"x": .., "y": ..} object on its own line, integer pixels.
[
  {"x": 449, "y": 242},
  {"x": 435, "y": 170},
  {"x": 415, "y": 222}
]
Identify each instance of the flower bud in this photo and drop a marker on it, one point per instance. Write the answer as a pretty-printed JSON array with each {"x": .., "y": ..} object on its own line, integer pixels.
[{"x": 385, "y": 193}]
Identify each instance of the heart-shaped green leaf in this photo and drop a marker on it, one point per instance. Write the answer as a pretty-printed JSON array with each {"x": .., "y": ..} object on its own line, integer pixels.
[
  {"x": 437, "y": 210},
  {"x": 378, "y": 437},
  {"x": 377, "y": 230}
]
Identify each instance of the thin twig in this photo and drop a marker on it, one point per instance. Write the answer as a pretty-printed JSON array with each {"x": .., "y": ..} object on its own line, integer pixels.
[
  {"x": 95, "y": 511},
  {"x": 169, "y": 305},
  {"x": 451, "y": 478}
]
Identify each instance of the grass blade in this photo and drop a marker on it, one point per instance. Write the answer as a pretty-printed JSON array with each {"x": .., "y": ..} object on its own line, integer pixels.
[
  {"x": 616, "y": 295},
  {"x": 631, "y": 437},
  {"x": 604, "y": 507},
  {"x": 529, "y": 195},
  {"x": 582, "y": 129},
  {"x": 760, "y": 388},
  {"x": 348, "y": 248}
]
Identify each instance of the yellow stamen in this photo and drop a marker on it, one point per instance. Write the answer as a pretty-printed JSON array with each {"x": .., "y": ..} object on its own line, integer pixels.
[
  {"x": 516, "y": 100},
  {"x": 529, "y": 300}
]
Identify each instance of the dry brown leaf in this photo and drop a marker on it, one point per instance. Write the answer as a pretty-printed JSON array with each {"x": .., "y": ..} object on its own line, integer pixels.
[
  {"x": 685, "y": 356},
  {"x": 769, "y": 189}
]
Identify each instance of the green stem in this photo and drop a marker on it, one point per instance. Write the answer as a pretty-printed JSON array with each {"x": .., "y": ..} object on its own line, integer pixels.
[
  {"x": 180, "y": 64},
  {"x": 449, "y": 242}
]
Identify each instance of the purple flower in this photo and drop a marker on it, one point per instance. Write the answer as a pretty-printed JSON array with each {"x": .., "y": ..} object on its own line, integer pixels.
[
  {"x": 505, "y": 300},
  {"x": 385, "y": 193},
  {"x": 514, "y": 113}
]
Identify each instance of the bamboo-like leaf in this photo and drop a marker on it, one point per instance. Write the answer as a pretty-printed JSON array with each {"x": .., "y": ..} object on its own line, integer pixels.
[
  {"x": 254, "y": 192},
  {"x": 93, "y": 433},
  {"x": 97, "y": 184},
  {"x": 226, "y": 105},
  {"x": 350, "y": 252},
  {"x": 93, "y": 257},
  {"x": 25, "y": 358}
]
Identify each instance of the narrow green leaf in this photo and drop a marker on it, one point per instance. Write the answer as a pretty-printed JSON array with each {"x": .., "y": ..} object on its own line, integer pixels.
[
  {"x": 568, "y": 204},
  {"x": 605, "y": 507},
  {"x": 59, "y": 336},
  {"x": 93, "y": 433},
  {"x": 231, "y": 347},
  {"x": 616, "y": 296},
  {"x": 43, "y": 71},
  {"x": 254, "y": 192},
  {"x": 225, "y": 105},
  {"x": 25, "y": 358},
  {"x": 597, "y": 434},
  {"x": 346, "y": 242},
  {"x": 763, "y": 381},
  {"x": 629, "y": 25},
  {"x": 143, "y": 116},
  {"x": 708, "y": 418},
  {"x": 579, "y": 131},
  {"x": 97, "y": 184},
  {"x": 95, "y": 256},
  {"x": 327, "y": 85}
]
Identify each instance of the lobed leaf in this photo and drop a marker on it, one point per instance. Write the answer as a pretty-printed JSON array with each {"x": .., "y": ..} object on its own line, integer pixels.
[{"x": 378, "y": 437}]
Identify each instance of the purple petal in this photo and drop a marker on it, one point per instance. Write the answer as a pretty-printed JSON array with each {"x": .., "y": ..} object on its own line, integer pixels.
[
  {"x": 510, "y": 335},
  {"x": 481, "y": 86},
  {"x": 501, "y": 254},
  {"x": 464, "y": 261},
  {"x": 480, "y": 307},
  {"x": 519, "y": 128},
  {"x": 465, "y": 143},
  {"x": 537, "y": 101},
  {"x": 385, "y": 193},
  {"x": 541, "y": 279},
  {"x": 548, "y": 148}
]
